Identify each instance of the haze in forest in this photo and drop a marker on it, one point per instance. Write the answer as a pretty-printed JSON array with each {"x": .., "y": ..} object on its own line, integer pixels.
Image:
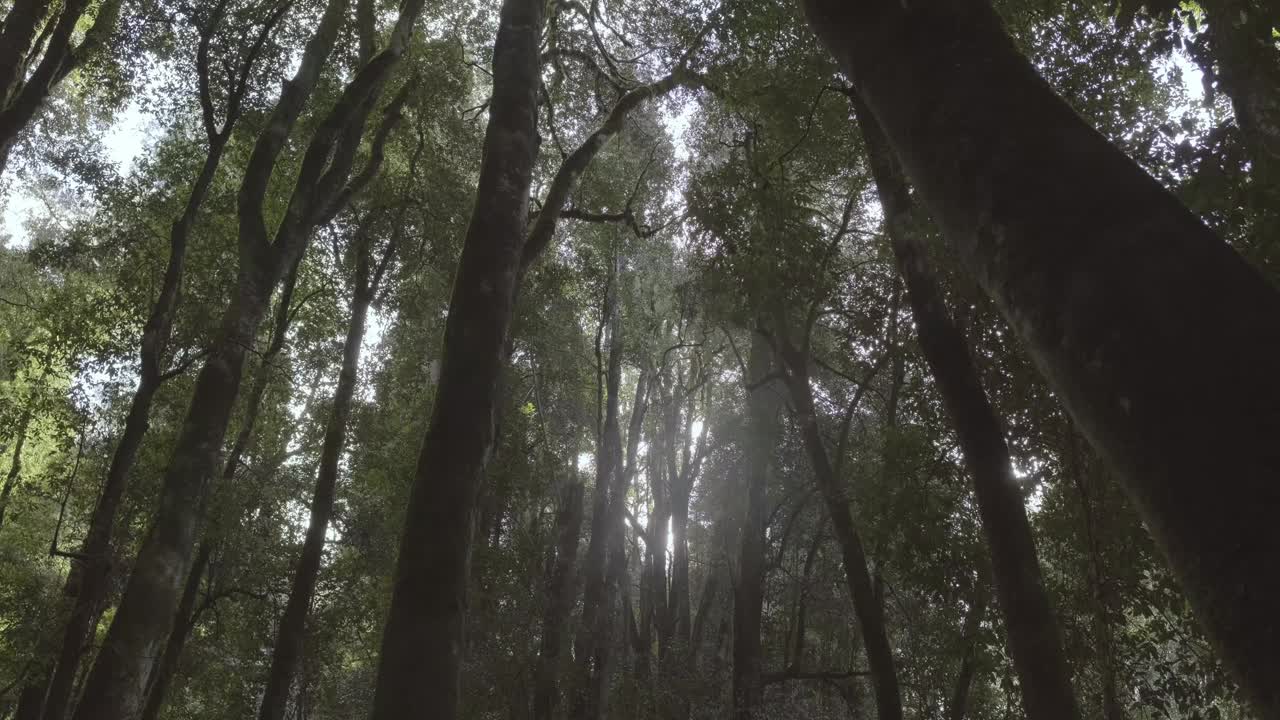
[{"x": 625, "y": 360}]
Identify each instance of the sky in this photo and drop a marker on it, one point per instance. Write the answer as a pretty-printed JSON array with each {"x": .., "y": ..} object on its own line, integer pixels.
[{"x": 124, "y": 142}]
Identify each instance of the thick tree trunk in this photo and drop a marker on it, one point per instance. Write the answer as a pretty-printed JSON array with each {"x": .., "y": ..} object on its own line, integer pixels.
[
  {"x": 1035, "y": 643},
  {"x": 748, "y": 597},
  {"x": 31, "y": 700},
  {"x": 20, "y": 26},
  {"x": 289, "y": 637},
  {"x": 184, "y": 622},
  {"x": 423, "y": 641},
  {"x": 116, "y": 685},
  {"x": 1159, "y": 338},
  {"x": 555, "y": 619},
  {"x": 866, "y": 606}
]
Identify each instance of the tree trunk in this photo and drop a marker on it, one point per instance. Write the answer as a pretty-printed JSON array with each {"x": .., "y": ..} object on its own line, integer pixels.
[
  {"x": 116, "y": 685},
  {"x": 31, "y": 700},
  {"x": 1035, "y": 644},
  {"x": 866, "y": 606},
  {"x": 958, "y": 704},
  {"x": 1155, "y": 334},
  {"x": 291, "y": 633},
  {"x": 591, "y": 647},
  {"x": 19, "y": 30},
  {"x": 95, "y": 570},
  {"x": 24, "y": 96},
  {"x": 14, "y": 476},
  {"x": 748, "y": 597},
  {"x": 1242, "y": 42},
  {"x": 422, "y": 643},
  {"x": 560, "y": 585},
  {"x": 184, "y": 622}
]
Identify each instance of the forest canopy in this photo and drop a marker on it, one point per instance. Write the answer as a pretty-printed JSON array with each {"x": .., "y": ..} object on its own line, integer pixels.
[{"x": 586, "y": 359}]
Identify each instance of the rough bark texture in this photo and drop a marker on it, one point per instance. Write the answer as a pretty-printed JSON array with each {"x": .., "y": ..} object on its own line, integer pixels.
[
  {"x": 866, "y": 604},
  {"x": 422, "y": 644},
  {"x": 1035, "y": 643},
  {"x": 1159, "y": 338},
  {"x": 748, "y": 597}
]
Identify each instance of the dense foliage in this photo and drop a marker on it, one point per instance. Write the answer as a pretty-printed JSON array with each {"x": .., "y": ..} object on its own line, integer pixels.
[{"x": 714, "y": 358}]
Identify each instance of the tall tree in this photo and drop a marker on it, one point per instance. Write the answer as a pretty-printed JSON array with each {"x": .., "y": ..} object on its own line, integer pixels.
[
  {"x": 117, "y": 682},
  {"x": 422, "y": 643},
  {"x": 1034, "y": 640},
  {"x": 93, "y": 573},
  {"x": 368, "y": 276},
  {"x": 1162, "y": 364},
  {"x": 748, "y": 600}
]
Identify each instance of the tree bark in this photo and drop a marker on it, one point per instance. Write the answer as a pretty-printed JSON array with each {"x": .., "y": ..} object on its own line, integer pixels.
[
  {"x": 423, "y": 640},
  {"x": 748, "y": 596},
  {"x": 1035, "y": 643},
  {"x": 20, "y": 26},
  {"x": 1155, "y": 334},
  {"x": 1241, "y": 39},
  {"x": 591, "y": 646},
  {"x": 958, "y": 704},
  {"x": 31, "y": 700}
]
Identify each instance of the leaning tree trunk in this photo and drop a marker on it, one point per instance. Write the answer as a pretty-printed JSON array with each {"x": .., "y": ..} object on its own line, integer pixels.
[
  {"x": 287, "y": 655},
  {"x": 866, "y": 604},
  {"x": 184, "y": 622},
  {"x": 748, "y": 596},
  {"x": 1035, "y": 644},
  {"x": 185, "y": 617},
  {"x": 1160, "y": 340}
]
